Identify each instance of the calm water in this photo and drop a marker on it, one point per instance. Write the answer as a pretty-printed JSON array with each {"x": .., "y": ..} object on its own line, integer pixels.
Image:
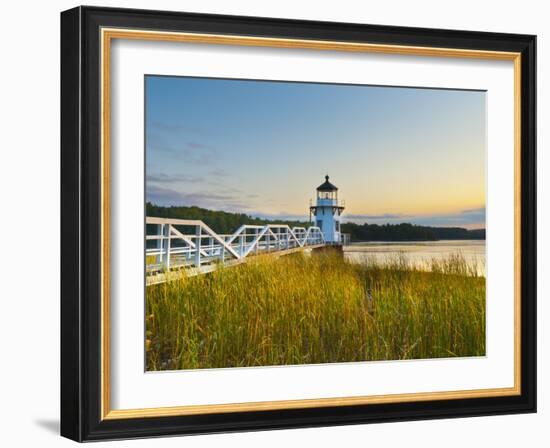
[{"x": 419, "y": 253}]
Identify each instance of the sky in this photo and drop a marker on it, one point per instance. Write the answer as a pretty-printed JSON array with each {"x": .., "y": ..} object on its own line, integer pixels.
[{"x": 262, "y": 147}]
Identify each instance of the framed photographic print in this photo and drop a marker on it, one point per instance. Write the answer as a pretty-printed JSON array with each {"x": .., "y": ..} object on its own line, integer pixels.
[{"x": 273, "y": 223}]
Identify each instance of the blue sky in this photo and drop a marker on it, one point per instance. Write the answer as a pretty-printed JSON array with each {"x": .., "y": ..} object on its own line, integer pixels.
[{"x": 396, "y": 154}]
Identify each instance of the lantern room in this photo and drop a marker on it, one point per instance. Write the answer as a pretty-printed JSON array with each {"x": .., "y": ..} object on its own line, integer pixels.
[{"x": 327, "y": 211}]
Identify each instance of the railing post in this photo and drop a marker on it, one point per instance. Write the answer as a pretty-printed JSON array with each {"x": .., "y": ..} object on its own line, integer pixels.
[
  {"x": 198, "y": 233},
  {"x": 160, "y": 243},
  {"x": 267, "y": 240},
  {"x": 257, "y": 242},
  {"x": 168, "y": 245},
  {"x": 241, "y": 244},
  {"x": 288, "y": 238}
]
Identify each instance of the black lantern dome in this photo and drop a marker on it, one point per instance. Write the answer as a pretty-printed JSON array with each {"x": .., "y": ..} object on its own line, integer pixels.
[{"x": 327, "y": 186}]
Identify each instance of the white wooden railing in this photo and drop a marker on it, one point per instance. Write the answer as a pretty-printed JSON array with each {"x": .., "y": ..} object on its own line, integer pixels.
[{"x": 182, "y": 243}]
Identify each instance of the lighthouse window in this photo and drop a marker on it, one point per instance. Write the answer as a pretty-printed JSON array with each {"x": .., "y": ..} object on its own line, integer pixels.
[{"x": 326, "y": 195}]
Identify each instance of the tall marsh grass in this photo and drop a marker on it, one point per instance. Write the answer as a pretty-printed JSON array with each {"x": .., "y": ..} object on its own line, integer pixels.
[{"x": 315, "y": 309}]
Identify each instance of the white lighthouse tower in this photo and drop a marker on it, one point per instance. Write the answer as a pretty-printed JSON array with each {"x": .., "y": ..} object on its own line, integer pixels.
[{"x": 328, "y": 211}]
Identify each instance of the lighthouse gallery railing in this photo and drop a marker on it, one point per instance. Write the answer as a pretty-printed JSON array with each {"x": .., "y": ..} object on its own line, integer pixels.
[{"x": 182, "y": 243}]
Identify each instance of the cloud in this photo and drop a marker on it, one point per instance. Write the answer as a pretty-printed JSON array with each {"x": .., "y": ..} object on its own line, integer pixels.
[
  {"x": 195, "y": 145},
  {"x": 377, "y": 217},
  {"x": 281, "y": 216},
  {"x": 173, "y": 178},
  {"x": 210, "y": 200},
  {"x": 474, "y": 211},
  {"x": 465, "y": 218},
  {"x": 219, "y": 172},
  {"x": 191, "y": 152},
  {"x": 175, "y": 128},
  {"x": 156, "y": 142},
  {"x": 162, "y": 196},
  {"x": 469, "y": 218}
]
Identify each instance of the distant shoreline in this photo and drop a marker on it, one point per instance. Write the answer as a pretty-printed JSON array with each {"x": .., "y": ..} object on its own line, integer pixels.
[
  {"x": 415, "y": 241},
  {"x": 227, "y": 222}
]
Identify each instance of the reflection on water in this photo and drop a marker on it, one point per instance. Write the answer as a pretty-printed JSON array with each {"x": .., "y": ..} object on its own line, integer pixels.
[{"x": 419, "y": 254}]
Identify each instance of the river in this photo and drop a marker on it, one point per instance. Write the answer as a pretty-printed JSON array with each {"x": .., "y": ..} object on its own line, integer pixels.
[{"x": 418, "y": 253}]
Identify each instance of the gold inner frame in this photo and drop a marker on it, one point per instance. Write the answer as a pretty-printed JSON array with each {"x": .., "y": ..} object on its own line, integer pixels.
[{"x": 107, "y": 35}]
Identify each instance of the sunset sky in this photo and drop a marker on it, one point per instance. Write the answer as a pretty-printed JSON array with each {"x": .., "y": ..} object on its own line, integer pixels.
[{"x": 396, "y": 154}]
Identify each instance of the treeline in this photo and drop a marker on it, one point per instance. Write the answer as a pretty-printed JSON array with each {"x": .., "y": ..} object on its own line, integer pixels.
[
  {"x": 226, "y": 223},
  {"x": 458, "y": 233},
  {"x": 409, "y": 232},
  {"x": 388, "y": 232},
  {"x": 220, "y": 222}
]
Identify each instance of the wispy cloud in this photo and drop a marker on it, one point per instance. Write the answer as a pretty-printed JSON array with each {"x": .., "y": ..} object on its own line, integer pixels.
[
  {"x": 474, "y": 211},
  {"x": 191, "y": 152},
  {"x": 175, "y": 128},
  {"x": 469, "y": 218},
  {"x": 210, "y": 200},
  {"x": 195, "y": 145},
  {"x": 377, "y": 217},
  {"x": 219, "y": 172},
  {"x": 281, "y": 216},
  {"x": 163, "y": 178}
]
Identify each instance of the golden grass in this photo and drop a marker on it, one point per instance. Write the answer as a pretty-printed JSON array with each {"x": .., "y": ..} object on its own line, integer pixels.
[{"x": 317, "y": 309}]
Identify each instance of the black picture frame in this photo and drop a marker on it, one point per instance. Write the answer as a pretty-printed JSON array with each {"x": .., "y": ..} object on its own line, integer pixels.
[{"x": 81, "y": 224}]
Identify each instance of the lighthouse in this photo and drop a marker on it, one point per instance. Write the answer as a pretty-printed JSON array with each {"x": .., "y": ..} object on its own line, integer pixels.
[{"x": 327, "y": 211}]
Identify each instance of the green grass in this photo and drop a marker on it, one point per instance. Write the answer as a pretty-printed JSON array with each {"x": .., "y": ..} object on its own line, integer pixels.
[{"x": 314, "y": 309}]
